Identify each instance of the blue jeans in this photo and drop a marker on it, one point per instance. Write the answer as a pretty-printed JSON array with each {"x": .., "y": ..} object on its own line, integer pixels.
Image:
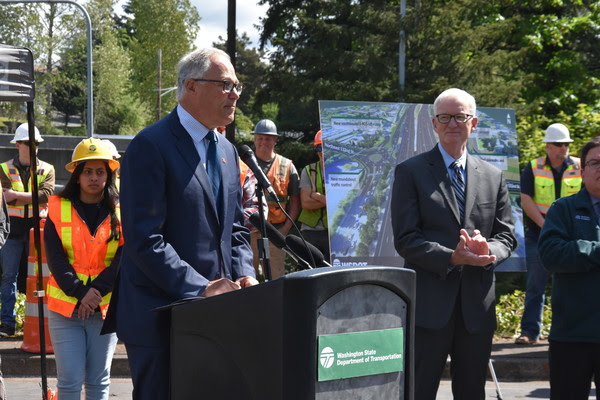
[
  {"x": 537, "y": 278},
  {"x": 82, "y": 356},
  {"x": 10, "y": 256}
]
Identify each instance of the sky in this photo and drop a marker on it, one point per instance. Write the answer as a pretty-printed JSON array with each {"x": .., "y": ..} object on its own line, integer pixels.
[{"x": 213, "y": 22}]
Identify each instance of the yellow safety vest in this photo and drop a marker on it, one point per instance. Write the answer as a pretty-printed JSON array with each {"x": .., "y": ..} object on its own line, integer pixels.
[
  {"x": 543, "y": 180},
  {"x": 279, "y": 176},
  {"x": 89, "y": 255},
  {"x": 312, "y": 217},
  {"x": 12, "y": 173}
]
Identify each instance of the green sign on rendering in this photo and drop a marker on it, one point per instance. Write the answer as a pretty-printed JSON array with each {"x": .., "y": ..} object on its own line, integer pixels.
[{"x": 348, "y": 355}]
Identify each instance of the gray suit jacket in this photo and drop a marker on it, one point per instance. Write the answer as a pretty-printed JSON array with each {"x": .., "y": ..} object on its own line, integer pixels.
[{"x": 426, "y": 224}]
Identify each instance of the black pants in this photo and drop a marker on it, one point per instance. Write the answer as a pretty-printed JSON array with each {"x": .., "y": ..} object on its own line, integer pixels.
[
  {"x": 572, "y": 366},
  {"x": 469, "y": 353}
]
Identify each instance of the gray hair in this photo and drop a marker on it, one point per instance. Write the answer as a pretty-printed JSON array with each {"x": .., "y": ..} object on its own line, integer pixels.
[
  {"x": 195, "y": 65},
  {"x": 457, "y": 93}
]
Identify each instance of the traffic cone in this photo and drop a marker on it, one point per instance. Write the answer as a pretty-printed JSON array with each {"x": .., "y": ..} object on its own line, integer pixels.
[{"x": 31, "y": 327}]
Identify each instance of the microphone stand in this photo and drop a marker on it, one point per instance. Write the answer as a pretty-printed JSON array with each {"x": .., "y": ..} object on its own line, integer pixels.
[{"x": 262, "y": 242}]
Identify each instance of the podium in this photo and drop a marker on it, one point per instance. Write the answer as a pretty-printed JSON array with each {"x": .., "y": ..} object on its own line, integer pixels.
[{"x": 327, "y": 333}]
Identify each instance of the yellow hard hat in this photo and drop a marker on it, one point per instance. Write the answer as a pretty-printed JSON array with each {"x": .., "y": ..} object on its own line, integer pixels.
[{"x": 92, "y": 149}]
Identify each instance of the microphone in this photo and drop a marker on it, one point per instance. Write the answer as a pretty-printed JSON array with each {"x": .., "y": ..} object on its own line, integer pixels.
[
  {"x": 297, "y": 245},
  {"x": 247, "y": 156},
  {"x": 272, "y": 233},
  {"x": 278, "y": 240}
]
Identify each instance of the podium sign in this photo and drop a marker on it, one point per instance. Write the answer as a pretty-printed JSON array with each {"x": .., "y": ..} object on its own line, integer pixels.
[{"x": 349, "y": 355}]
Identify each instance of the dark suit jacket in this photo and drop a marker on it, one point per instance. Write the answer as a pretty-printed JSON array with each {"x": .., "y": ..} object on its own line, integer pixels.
[
  {"x": 174, "y": 242},
  {"x": 426, "y": 224}
]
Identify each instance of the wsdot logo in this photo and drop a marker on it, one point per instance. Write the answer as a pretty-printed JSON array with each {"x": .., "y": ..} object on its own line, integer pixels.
[{"x": 327, "y": 357}]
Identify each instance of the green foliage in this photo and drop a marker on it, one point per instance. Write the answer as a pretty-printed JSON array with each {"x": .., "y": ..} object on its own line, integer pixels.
[
  {"x": 509, "y": 311},
  {"x": 330, "y": 50},
  {"x": 174, "y": 35},
  {"x": 20, "y": 311}
]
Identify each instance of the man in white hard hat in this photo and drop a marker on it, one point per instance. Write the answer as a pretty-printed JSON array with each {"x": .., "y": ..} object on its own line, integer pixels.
[
  {"x": 543, "y": 180},
  {"x": 16, "y": 187},
  {"x": 284, "y": 178}
]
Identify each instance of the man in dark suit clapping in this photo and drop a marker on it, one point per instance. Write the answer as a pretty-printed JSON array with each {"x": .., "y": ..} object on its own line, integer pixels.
[
  {"x": 453, "y": 225},
  {"x": 182, "y": 217}
]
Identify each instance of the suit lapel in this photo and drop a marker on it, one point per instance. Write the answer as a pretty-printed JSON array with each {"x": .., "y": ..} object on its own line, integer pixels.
[
  {"x": 189, "y": 154},
  {"x": 440, "y": 173},
  {"x": 473, "y": 176},
  {"x": 225, "y": 176}
]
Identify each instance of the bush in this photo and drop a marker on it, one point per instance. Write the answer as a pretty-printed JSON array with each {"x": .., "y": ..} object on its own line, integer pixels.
[
  {"x": 20, "y": 311},
  {"x": 509, "y": 311}
]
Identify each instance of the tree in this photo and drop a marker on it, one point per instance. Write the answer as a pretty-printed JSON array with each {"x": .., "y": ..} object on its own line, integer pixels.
[
  {"x": 328, "y": 49},
  {"x": 174, "y": 34},
  {"x": 250, "y": 70}
]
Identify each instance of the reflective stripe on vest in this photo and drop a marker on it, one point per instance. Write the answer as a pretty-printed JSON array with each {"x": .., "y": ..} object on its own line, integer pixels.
[
  {"x": 543, "y": 180},
  {"x": 279, "y": 176},
  {"x": 12, "y": 173},
  {"x": 88, "y": 255},
  {"x": 312, "y": 217}
]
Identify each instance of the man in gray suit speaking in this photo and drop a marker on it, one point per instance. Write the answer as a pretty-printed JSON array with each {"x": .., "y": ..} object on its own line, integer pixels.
[{"x": 453, "y": 225}]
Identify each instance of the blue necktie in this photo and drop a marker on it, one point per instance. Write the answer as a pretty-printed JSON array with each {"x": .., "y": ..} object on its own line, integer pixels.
[
  {"x": 458, "y": 184},
  {"x": 213, "y": 169}
]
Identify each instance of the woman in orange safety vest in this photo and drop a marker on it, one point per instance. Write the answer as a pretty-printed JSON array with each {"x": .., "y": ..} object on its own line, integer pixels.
[{"x": 83, "y": 247}]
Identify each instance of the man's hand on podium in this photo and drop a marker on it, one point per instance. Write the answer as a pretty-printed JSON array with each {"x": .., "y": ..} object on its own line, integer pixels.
[
  {"x": 247, "y": 281},
  {"x": 220, "y": 286}
]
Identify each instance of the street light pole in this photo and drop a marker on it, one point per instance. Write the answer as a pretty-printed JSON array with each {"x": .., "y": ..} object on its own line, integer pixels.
[
  {"x": 402, "y": 49},
  {"x": 90, "y": 86},
  {"x": 231, "y": 4}
]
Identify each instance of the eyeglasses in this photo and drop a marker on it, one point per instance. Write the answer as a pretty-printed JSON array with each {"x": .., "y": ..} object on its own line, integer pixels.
[
  {"x": 593, "y": 164},
  {"x": 560, "y": 144},
  {"x": 459, "y": 118},
  {"x": 228, "y": 86},
  {"x": 319, "y": 148}
]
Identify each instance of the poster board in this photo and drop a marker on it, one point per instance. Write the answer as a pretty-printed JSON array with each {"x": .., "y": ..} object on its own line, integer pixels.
[{"x": 362, "y": 144}]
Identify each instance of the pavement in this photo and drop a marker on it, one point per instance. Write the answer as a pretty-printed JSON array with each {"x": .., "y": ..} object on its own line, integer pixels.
[{"x": 522, "y": 371}]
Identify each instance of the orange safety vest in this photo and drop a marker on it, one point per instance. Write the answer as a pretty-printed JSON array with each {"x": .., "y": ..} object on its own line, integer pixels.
[
  {"x": 42, "y": 171},
  {"x": 89, "y": 255},
  {"x": 279, "y": 176},
  {"x": 243, "y": 172}
]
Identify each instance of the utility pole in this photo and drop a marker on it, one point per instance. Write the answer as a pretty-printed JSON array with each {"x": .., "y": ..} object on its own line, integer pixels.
[
  {"x": 402, "y": 49},
  {"x": 230, "y": 132}
]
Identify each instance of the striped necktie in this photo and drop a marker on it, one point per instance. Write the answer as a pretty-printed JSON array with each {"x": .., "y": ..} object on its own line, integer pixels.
[
  {"x": 213, "y": 169},
  {"x": 458, "y": 184}
]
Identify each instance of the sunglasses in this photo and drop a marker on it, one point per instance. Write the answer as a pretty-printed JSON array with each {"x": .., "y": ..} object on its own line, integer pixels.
[{"x": 560, "y": 144}]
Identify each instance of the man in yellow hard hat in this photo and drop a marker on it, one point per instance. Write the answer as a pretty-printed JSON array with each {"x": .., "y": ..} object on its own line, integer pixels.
[{"x": 16, "y": 186}]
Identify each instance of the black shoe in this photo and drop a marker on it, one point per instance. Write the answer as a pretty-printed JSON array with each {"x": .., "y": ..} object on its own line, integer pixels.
[{"x": 6, "y": 331}]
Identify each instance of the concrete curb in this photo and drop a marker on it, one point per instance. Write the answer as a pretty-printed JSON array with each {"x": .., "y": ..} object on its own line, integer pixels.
[{"x": 512, "y": 363}]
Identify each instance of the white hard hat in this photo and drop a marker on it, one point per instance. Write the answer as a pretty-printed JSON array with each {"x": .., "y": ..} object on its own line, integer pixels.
[
  {"x": 557, "y": 133},
  {"x": 22, "y": 134},
  {"x": 265, "y": 127},
  {"x": 113, "y": 148}
]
